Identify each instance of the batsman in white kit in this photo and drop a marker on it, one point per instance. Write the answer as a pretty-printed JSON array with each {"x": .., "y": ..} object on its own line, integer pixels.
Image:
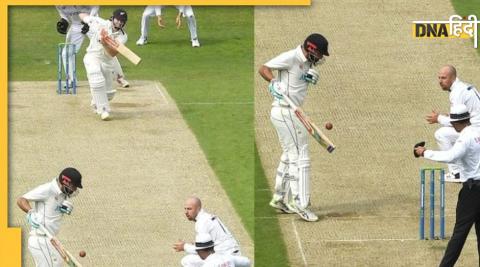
[
  {"x": 76, "y": 30},
  {"x": 183, "y": 11},
  {"x": 52, "y": 201},
  {"x": 99, "y": 59},
  {"x": 211, "y": 225},
  {"x": 295, "y": 73},
  {"x": 460, "y": 93}
]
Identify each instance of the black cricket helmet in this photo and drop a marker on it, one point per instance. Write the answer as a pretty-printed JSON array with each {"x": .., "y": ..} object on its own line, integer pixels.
[{"x": 316, "y": 46}]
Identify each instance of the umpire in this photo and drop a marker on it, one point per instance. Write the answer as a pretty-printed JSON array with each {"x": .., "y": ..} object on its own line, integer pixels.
[{"x": 466, "y": 151}]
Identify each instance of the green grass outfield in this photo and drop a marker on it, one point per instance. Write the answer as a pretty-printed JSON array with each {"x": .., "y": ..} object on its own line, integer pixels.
[{"x": 212, "y": 85}]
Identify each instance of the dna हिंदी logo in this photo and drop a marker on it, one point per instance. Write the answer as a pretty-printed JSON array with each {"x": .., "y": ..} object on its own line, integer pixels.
[{"x": 455, "y": 27}]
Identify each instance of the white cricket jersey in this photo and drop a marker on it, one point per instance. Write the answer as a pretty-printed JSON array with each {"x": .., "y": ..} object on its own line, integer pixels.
[
  {"x": 48, "y": 198},
  {"x": 221, "y": 236},
  {"x": 465, "y": 152},
  {"x": 70, "y": 13},
  {"x": 96, "y": 25},
  {"x": 218, "y": 260},
  {"x": 466, "y": 94},
  {"x": 291, "y": 66}
]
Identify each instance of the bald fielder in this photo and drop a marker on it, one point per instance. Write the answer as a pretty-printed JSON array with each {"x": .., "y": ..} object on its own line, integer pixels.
[
  {"x": 99, "y": 59},
  {"x": 295, "y": 73},
  {"x": 75, "y": 30},
  {"x": 51, "y": 202},
  {"x": 459, "y": 93},
  {"x": 211, "y": 225}
]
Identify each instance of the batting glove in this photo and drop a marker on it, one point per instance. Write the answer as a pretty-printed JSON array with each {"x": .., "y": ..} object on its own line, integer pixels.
[
  {"x": 66, "y": 207},
  {"x": 311, "y": 76},
  {"x": 277, "y": 89},
  {"x": 33, "y": 219}
]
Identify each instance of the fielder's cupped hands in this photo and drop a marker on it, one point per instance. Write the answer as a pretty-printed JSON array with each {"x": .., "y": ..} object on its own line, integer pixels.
[
  {"x": 178, "y": 20},
  {"x": 179, "y": 246},
  {"x": 432, "y": 117},
  {"x": 160, "y": 22}
]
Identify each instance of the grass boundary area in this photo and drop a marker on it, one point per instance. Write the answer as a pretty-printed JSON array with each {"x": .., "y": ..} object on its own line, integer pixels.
[{"x": 270, "y": 249}]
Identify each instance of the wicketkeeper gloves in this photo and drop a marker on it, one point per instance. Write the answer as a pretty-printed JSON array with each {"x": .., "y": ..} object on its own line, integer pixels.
[
  {"x": 62, "y": 26},
  {"x": 85, "y": 27}
]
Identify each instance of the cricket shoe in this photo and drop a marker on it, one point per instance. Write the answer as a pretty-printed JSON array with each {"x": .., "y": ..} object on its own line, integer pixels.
[
  {"x": 142, "y": 41},
  {"x": 452, "y": 178},
  {"x": 105, "y": 116},
  {"x": 307, "y": 215},
  {"x": 195, "y": 43},
  {"x": 278, "y": 204},
  {"x": 122, "y": 82}
]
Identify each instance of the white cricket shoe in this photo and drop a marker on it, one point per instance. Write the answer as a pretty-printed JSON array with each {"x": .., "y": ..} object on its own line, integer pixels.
[
  {"x": 195, "y": 43},
  {"x": 452, "y": 178},
  {"x": 278, "y": 204},
  {"x": 142, "y": 41},
  {"x": 105, "y": 116},
  {"x": 122, "y": 82},
  {"x": 307, "y": 215}
]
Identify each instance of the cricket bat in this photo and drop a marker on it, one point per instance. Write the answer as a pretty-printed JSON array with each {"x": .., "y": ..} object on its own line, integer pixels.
[
  {"x": 121, "y": 48},
  {"x": 313, "y": 129},
  {"x": 69, "y": 259},
  {"x": 128, "y": 54}
]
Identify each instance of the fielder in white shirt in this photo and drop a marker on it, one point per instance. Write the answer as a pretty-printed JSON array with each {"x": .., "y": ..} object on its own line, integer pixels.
[
  {"x": 460, "y": 93},
  {"x": 204, "y": 248},
  {"x": 52, "y": 202},
  {"x": 99, "y": 58},
  {"x": 206, "y": 223},
  {"x": 295, "y": 72},
  {"x": 466, "y": 153},
  {"x": 69, "y": 16},
  {"x": 183, "y": 11}
]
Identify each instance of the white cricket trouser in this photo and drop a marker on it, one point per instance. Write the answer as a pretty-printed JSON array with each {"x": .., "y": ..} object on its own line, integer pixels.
[
  {"x": 43, "y": 252},
  {"x": 117, "y": 69},
  {"x": 99, "y": 70},
  {"x": 74, "y": 36},
  {"x": 191, "y": 21},
  {"x": 150, "y": 11},
  {"x": 293, "y": 139},
  {"x": 446, "y": 137},
  {"x": 193, "y": 260}
]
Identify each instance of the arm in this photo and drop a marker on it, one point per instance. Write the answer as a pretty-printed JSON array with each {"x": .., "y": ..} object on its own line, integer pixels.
[
  {"x": 94, "y": 11},
  {"x": 109, "y": 44},
  {"x": 84, "y": 17},
  {"x": 61, "y": 13},
  {"x": 266, "y": 73},
  {"x": 23, "y": 204},
  {"x": 456, "y": 152}
]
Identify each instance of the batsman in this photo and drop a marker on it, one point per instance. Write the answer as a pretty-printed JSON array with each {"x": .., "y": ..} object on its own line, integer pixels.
[
  {"x": 295, "y": 72},
  {"x": 51, "y": 202},
  {"x": 99, "y": 59}
]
